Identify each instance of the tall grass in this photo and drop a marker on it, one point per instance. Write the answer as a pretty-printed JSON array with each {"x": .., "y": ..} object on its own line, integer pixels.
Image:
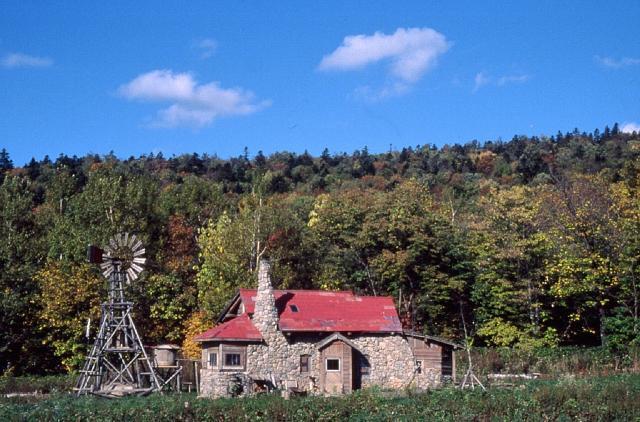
[
  {"x": 552, "y": 362},
  {"x": 42, "y": 384}
]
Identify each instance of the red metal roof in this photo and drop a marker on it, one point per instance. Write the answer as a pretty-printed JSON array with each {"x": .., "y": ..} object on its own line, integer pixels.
[
  {"x": 240, "y": 328},
  {"x": 319, "y": 310}
]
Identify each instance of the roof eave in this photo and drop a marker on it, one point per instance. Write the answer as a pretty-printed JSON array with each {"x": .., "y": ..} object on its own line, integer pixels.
[
  {"x": 332, "y": 330},
  {"x": 433, "y": 339}
]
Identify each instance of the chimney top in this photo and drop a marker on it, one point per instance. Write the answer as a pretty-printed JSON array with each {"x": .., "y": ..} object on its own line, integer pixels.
[
  {"x": 265, "y": 315},
  {"x": 263, "y": 274}
]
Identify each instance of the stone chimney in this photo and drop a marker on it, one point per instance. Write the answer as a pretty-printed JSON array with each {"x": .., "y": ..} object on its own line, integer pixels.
[{"x": 265, "y": 315}]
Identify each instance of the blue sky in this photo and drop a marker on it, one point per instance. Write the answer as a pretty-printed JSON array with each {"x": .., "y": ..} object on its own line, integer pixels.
[{"x": 214, "y": 77}]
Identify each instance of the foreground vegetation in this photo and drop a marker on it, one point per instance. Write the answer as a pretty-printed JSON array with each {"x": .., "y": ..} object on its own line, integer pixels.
[{"x": 597, "y": 398}]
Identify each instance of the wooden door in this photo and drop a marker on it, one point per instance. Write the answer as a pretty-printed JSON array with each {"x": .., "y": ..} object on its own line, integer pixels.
[{"x": 336, "y": 368}]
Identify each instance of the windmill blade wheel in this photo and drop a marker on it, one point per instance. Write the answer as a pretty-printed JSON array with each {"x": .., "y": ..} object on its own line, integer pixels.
[{"x": 127, "y": 251}]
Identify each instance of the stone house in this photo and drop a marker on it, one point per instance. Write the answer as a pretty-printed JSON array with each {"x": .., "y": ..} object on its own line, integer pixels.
[{"x": 316, "y": 342}]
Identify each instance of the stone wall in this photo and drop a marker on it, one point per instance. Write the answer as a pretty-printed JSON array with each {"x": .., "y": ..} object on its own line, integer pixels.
[
  {"x": 217, "y": 383},
  {"x": 391, "y": 361}
]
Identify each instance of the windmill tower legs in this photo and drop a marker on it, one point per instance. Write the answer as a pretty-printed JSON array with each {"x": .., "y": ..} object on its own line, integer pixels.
[{"x": 117, "y": 364}]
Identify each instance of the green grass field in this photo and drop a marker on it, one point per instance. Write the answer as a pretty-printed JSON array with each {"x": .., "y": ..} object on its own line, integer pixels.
[{"x": 615, "y": 397}]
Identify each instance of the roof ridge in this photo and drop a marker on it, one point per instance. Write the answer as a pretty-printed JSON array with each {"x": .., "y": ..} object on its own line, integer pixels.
[
  {"x": 350, "y": 292},
  {"x": 305, "y": 290}
]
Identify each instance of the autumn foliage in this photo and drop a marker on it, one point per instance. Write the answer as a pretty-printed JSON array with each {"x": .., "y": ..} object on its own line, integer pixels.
[{"x": 529, "y": 243}]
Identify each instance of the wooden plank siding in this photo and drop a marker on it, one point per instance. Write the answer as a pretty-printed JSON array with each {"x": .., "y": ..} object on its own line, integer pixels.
[
  {"x": 429, "y": 353},
  {"x": 434, "y": 355},
  {"x": 347, "y": 368}
]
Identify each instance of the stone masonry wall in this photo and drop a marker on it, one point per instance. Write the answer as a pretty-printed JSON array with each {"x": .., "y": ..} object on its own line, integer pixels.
[
  {"x": 391, "y": 360},
  {"x": 392, "y": 363},
  {"x": 216, "y": 383}
]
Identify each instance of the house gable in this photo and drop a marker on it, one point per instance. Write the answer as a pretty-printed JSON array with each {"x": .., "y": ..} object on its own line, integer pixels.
[
  {"x": 333, "y": 337},
  {"x": 232, "y": 309}
]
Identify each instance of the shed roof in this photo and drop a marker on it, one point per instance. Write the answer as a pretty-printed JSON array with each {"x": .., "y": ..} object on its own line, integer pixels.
[
  {"x": 433, "y": 339},
  {"x": 237, "y": 329}
]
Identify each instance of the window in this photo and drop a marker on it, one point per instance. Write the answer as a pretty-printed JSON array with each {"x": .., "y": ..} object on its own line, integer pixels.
[
  {"x": 333, "y": 364},
  {"x": 232, "y": 359},
  {"x": 418, "y": 367},
  {"x": 304, "y": 363},
  {"x": 213, "y": 359},
  {"x": 293, "y": 308}
]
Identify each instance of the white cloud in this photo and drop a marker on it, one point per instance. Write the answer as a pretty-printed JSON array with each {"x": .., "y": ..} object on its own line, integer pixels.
[
  {"x": 193, "y": 104},
  {"x": 160, "y": 85},
  {"x": 178, "y": 115},
  {"x": 207, "y": 47},
  {"x": 617, "y": 64},
  {"x": 630, "y": 127},
  {"x": 16, "y": 60},
  {"x": 411, "y": 52},
  {"x": 482, "y": 79}
]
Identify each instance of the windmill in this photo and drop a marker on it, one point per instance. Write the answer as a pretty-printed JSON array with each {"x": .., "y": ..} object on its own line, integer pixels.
[{"x": 118, "y": 364}]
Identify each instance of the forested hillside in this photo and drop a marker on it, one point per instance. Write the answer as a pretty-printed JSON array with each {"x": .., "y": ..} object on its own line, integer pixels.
[{"x": 531, "y": 242}]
